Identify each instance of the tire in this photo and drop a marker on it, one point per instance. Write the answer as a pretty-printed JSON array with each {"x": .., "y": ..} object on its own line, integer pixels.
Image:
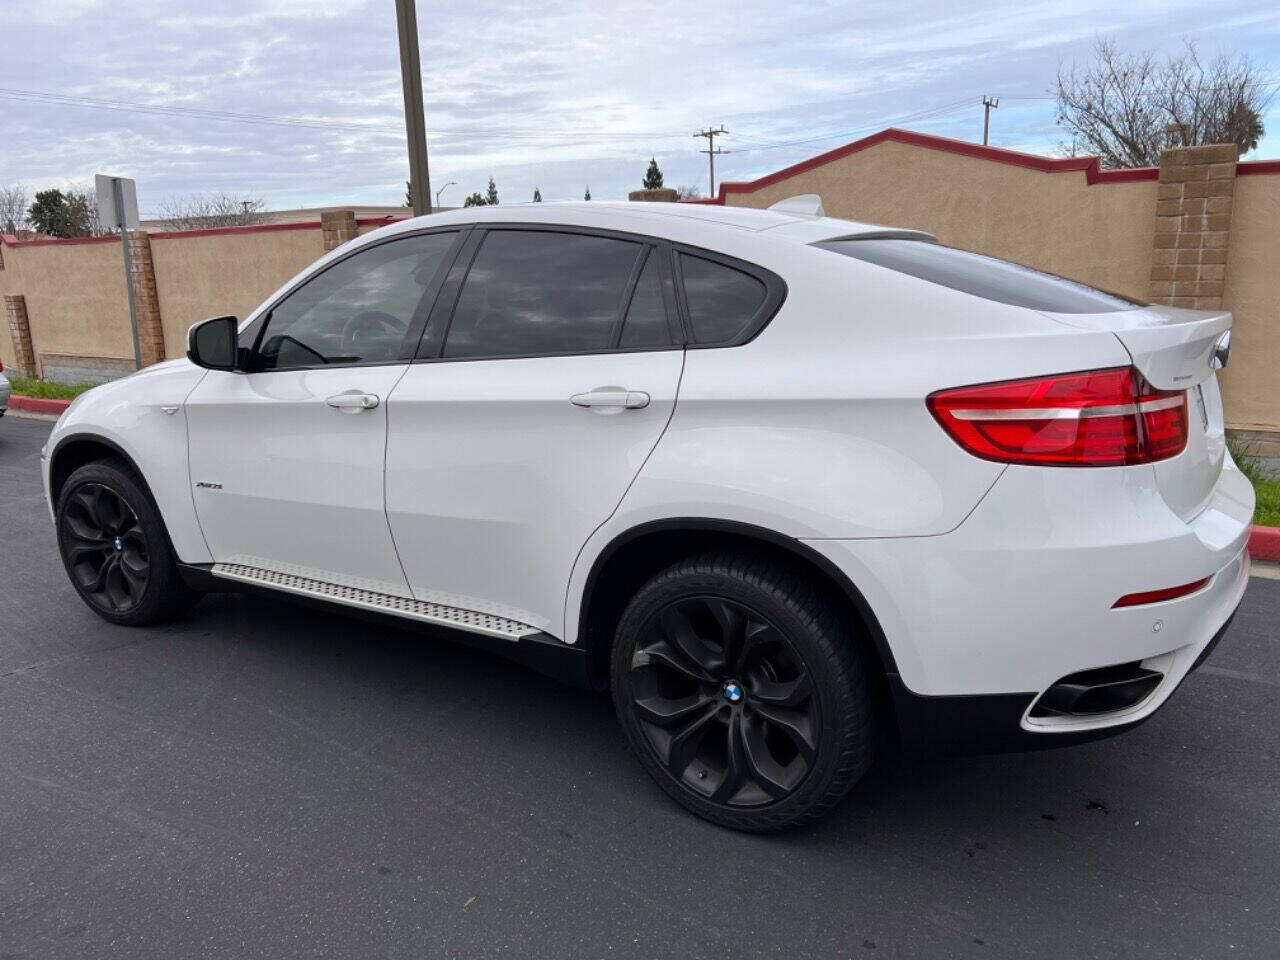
[
  {"x": 115, "y": 548},
  {"x": 743, "y": 691}
]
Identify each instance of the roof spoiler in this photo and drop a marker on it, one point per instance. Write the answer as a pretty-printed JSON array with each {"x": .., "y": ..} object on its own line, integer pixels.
[{"x": 887, "y": 234}]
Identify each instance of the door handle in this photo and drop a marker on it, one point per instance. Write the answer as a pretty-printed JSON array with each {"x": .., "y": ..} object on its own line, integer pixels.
[
  {"x": 353, "y": 401},
  {"x": 616, "y": 398}
]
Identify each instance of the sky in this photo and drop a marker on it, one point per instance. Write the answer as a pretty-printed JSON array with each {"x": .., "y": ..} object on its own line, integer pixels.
[{"x": 298, "y": 102}]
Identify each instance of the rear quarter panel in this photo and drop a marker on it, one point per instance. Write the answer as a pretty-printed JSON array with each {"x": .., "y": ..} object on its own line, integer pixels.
[{"x": 818, "y": 429}]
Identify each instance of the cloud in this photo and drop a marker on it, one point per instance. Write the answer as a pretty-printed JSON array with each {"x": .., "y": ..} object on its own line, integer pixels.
[{"x": 559, "y": 94}]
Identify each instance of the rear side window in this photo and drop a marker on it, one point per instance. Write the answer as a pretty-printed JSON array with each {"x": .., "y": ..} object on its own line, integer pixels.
[
  {"x": 982, "y": 276},
  {"x": 722, "y": 301},
  {"x": 646, "y": 323},
  {"x": 532, "y": 292}
]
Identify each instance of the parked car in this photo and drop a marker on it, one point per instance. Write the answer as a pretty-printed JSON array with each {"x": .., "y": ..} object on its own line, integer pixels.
[
  {"x": 793, "y": 488},
  {"x": 4, "y": 392}
]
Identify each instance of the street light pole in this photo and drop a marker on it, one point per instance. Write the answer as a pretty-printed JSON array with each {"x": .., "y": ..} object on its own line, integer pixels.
[
  {"x": 414, "y": 121},
  {"x": 451, "y": 183}
]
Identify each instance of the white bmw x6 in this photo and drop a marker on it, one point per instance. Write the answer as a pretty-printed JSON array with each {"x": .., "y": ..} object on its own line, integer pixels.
[{"x": 792, "y": 487}]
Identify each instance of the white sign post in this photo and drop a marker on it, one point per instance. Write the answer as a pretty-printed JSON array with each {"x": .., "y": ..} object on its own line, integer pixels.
[{"x": 118, "y": 207}]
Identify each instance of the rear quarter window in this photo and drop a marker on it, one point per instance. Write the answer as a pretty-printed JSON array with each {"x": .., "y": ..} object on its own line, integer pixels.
[
  {"x": 727, "y": 304},
  {"x": 981, "y": 276}
]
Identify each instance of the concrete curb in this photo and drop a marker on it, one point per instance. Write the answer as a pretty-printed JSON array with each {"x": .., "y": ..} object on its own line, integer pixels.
[
  {"x": 1264, "y": 543},
  {"x": 38, "y": 404}
]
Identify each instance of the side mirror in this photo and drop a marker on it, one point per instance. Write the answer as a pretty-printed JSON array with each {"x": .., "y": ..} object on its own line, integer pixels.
[{"x": 212, "y": 343}]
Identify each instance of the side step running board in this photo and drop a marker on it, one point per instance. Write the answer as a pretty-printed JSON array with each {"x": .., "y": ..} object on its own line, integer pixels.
[{"x": 436, "y": 613}]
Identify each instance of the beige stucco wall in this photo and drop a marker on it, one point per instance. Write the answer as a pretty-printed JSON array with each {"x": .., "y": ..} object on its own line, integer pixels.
[
  {"x": 228, "y": 273},
  {"x": 1098, "y": 234},
  {"x": 1251, "y": 382},
  {"x": 76, "y": 299}
]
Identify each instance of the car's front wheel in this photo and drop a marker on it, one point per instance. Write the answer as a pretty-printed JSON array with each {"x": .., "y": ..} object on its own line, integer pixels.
[
  {"x": 743, "y": 692},
  {"x": 115, "y": 548}
]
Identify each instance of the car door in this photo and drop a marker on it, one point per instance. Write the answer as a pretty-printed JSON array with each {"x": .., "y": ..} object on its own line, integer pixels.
[
  {"x": 548, "y": 372},
  {"x": 287, "y": 455}
]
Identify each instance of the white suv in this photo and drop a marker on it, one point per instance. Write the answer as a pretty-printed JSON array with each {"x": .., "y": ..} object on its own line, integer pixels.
[{"x": 792, "y": 487}]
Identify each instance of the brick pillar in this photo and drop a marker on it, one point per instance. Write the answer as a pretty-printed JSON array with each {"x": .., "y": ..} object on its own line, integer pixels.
[
  {"x": 1193, "y": 222},
  {"x": 24, "y": 354},
  {"x": 147, "y": 303},
  {"x": 339, "y": 226}
]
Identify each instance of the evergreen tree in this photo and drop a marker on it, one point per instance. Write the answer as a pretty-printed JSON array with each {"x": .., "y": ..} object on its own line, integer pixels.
[
  {"x": 475, "y": 200},
  {"x": 587, "y": 196},
  {"x": 537, "y": 195},
  {"x": 653, "y": 176},
  {"x": 491, "y": 197},
  {"x": 58, "y": 214},
  {"x": 408, "y": 194}
]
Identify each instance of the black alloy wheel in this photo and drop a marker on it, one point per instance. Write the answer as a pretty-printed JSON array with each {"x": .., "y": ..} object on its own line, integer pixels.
[
  {"x": 744, "y": 690},
  {"x": 105, "y": 548},
  {"x": 725, "y": 702},
  {"x": 115, "y": 546}
]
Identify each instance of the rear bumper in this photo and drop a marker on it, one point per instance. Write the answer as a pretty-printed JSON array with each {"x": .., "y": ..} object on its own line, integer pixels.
[
  {"x": 993, "y": 723},
  {"x": 982, "y": 621}
]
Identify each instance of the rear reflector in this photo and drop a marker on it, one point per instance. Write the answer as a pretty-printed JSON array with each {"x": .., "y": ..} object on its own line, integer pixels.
[
  {"x": 1096, "y": 418},
  {"x": 1156, "y": 596}
]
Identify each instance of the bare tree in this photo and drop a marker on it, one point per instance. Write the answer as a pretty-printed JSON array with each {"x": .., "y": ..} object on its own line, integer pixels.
[
  {"x": 1126, "y": 108},
  {"x": 687, "y": 192},
  {"x": 201, "y": 211},
  {"x": 13, "y": 209}
]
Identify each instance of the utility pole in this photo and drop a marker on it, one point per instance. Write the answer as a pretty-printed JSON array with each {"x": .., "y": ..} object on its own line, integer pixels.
[
  {"x": 988, "y": 104},
  {"x": 712, "y": 150},
  {"x": 414, "y": 122}
]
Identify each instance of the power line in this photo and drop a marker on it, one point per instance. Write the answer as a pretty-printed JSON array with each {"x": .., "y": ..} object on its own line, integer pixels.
[
  {"x": 1164, "y": 89},
  {"x": 927, "y": 114},
  {"x": 507, "y": 133},
  {"x": 97, "y": 103}
]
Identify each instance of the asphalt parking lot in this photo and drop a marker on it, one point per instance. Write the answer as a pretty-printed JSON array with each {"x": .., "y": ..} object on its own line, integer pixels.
[{"x": 263, "y": 780}]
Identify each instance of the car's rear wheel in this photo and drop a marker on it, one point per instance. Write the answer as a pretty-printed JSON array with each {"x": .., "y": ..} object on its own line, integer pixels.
[
  {"x": 743, "y": 692},
  {"x": 115, "y": 548}
]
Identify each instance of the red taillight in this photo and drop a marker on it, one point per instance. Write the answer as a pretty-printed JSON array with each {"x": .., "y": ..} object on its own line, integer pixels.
[
  {"x": 1096, "y": 418},
  {"x": 1155, "y": 596}
]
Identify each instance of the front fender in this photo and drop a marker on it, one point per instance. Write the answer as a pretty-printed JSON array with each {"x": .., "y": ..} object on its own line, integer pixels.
[{"x": 142, "y": 419}]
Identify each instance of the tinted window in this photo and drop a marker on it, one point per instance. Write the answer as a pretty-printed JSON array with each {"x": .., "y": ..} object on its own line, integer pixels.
[
  {"x": 534, "y": 292},
  {"x": 358, "y": 310},
  {"x": 985, "y": 277},
  {"x": 646, "y": 324},
  {"x": 722, "y": 301}
]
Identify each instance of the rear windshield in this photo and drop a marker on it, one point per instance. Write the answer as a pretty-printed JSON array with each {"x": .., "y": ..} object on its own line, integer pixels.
[{"x": 985, "y": 277}]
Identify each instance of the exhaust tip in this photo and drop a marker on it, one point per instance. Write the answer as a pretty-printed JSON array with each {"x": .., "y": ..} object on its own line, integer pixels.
[{"x": 1100, "y": 691}]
